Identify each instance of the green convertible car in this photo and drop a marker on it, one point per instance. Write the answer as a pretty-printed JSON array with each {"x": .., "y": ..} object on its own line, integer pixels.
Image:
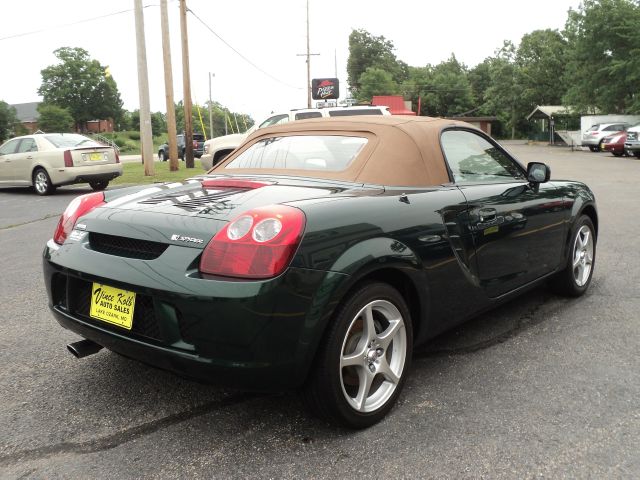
[{"x": 316, "y": 256}]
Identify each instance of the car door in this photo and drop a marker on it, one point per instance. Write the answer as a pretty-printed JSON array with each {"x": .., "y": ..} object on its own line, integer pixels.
[
  {"x": 24, "y": 159},
  {"x": 517, "y": 229},
  {"x": 7, "y": 154}
]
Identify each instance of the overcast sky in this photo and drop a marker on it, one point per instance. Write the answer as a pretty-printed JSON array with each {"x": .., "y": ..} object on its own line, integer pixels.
[{"x": 269, "y": 33}]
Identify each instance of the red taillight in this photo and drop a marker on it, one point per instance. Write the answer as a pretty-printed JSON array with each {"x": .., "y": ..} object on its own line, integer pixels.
[
  {"x": 195, "y": 144},
  {"x": 78, "y": 207},
  {"x": 117, "y": 156},
  {"x": 258, "y": 244},
  {"x": 68, "y": 161}
]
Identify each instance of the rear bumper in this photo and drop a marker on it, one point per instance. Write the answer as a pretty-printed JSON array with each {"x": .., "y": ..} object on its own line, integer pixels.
[
  {"x": 71, "y": 175},
  {"x": 250, "y": 335}
]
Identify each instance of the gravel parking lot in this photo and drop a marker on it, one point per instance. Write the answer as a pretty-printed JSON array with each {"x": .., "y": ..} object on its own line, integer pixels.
[{"x": 544, "y": 387}]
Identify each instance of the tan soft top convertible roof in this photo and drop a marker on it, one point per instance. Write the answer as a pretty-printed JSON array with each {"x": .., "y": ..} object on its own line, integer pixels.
[{"x": 402, "y": 150}]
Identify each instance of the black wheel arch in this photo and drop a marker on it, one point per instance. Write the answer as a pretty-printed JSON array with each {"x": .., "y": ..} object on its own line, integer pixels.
[{"x": 400, "y": 276}]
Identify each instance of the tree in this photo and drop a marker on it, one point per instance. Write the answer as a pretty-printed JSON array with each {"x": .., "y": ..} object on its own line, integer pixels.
[
  {"x": 444, "y": 90},
  {"x": 480, "y": 81},
  {"x": 503, "y": 95},
  {"x": 375, "y": 81},
  {"x": 603, "y": 68},
  {"x": 541, "y": 59},
  {"x": 54, "y": 119},
  {"x": 8, "y": 120},
  {"x": 367, "y": 51},
  {"x": 82, "y": 86},
  {"x": 450, "y": 93}
]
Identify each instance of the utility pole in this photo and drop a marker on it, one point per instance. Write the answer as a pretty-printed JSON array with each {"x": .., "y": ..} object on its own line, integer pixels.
[
  {"x": 210, "y": 107},
  {"x": 186, "y": 82},
  {"x": 168, "y": 87},
  {"x": 143, "y": 90},
  {"x": 308, "y": 55}
]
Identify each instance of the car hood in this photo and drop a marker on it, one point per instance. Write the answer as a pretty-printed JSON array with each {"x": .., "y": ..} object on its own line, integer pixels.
[{"x": 196, "y": 209}]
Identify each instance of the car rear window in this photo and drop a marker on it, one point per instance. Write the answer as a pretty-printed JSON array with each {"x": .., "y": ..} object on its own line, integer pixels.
[
  {"x": 361, "y": 111},
  {"x": 61, "y": 140},
  {"x": 301, "y": 152},
  {"x": 594, "y": 128}
]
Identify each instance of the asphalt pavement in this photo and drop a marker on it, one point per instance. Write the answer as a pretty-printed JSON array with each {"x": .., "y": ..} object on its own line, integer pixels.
[{"x": 543, "y": 387}]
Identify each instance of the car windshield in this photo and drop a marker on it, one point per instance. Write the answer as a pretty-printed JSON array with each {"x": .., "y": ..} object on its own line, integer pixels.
[
  {"x": 61, "y": 140},
  {"x": 301, "y": 152}
]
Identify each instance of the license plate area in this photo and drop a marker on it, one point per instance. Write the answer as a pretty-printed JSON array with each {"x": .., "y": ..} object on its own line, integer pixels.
[
  {"x": 96, "y": 157},
  {"x": 112, "y": 305}
]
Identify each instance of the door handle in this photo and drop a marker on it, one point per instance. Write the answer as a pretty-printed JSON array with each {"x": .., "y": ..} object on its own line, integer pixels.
[
  {"x": 487, "y": 214},
  {"x": 29, "y": 157}
]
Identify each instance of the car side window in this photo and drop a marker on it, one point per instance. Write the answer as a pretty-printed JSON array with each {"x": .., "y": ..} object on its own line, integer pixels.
[
  {"x": 305, "y": 115},
  {"x": 9, "y": 147},
  {"x": 472, "y": 158},
  {"x": 27, "y": 145},
  {"x": 275, "y": 120}
]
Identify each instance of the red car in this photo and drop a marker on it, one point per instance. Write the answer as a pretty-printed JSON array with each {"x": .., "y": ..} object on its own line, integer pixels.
[{"x": 614, "y": 143}]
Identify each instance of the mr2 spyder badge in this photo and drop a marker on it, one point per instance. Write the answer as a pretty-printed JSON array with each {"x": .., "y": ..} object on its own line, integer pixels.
[{"x": 181, "y": 238}]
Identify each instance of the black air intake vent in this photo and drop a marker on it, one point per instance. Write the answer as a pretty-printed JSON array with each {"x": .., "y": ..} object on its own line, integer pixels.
[{"x": 126, "y": 247}]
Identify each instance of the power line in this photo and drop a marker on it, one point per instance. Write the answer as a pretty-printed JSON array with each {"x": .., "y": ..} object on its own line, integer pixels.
[
  {"x": 240, "y": 54},
  {"x": 86, "y": 20}
]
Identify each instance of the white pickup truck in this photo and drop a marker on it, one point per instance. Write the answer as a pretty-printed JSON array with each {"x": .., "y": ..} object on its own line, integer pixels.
[{"x": 216, "y": 149}]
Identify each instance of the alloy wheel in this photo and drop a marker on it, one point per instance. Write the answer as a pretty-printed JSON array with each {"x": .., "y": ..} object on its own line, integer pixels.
[
  {"x": 582, "y": 256},
  {"x": 373, "y": 356}
]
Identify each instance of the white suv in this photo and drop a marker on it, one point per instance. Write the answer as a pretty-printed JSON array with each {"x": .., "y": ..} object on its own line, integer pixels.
[{"x": 216, "y": 149}]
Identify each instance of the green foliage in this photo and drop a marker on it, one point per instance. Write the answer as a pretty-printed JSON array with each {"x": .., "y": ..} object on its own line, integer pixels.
[
  {"x": 367, "y": 51},
  {"x": 375, "y": 81},
  {"x": 134, "y": 135},
  {"x": 541, "y": 59},
  {"x": 603, "y": 68},
  {"x": 8, "y": 120},
  {"x": 80, "y": 84},
  {"x": 53, "y": 118}
]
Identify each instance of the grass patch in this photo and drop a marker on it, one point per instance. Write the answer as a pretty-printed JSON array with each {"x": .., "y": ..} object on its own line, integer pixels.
[
  {"x": 129, "y": 141},
  {"x": 133, "y": 173}
]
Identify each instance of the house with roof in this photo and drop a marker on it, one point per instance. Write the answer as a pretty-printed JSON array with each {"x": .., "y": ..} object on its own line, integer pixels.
[{"x": 28, "y": 115}]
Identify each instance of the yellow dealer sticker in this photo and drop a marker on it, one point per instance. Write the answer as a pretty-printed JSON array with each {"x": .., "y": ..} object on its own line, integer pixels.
[
  {"x": 96, "y": 156},
  {"x": 112, "y": 305}
]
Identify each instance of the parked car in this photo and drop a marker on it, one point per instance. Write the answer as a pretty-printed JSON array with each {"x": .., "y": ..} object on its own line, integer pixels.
[
  {"x": 198, "y": 147},
  {"x": 614, "y": 144},
  {"x": 216, "y": 149},
  {"x": 632, "y": 141},
  {"x": 50, "y": 160},
  {"x": 592, "y": 137},
  {"x": 316, "y": 256}
]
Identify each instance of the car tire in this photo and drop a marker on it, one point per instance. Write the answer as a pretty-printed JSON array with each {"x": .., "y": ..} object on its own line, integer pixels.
[
  {"x": 161, "y": 156},
  {"x": 575, "y": 278},
  {"x": 362, "y": 364},
  {"x": 618, "y": 154},
  {"x": 42, "y": 182},
  {"x": 99, "y": 186},
  {"x": 636, "y": 154},
  {"x": 593, "y": 148}
]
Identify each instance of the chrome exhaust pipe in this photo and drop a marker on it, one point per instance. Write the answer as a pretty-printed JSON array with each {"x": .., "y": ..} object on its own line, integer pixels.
[{"x": 84, "y": 348}]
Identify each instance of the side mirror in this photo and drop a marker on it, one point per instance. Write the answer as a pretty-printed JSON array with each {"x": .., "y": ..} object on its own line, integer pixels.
[{"x": 538, "y": 172}]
